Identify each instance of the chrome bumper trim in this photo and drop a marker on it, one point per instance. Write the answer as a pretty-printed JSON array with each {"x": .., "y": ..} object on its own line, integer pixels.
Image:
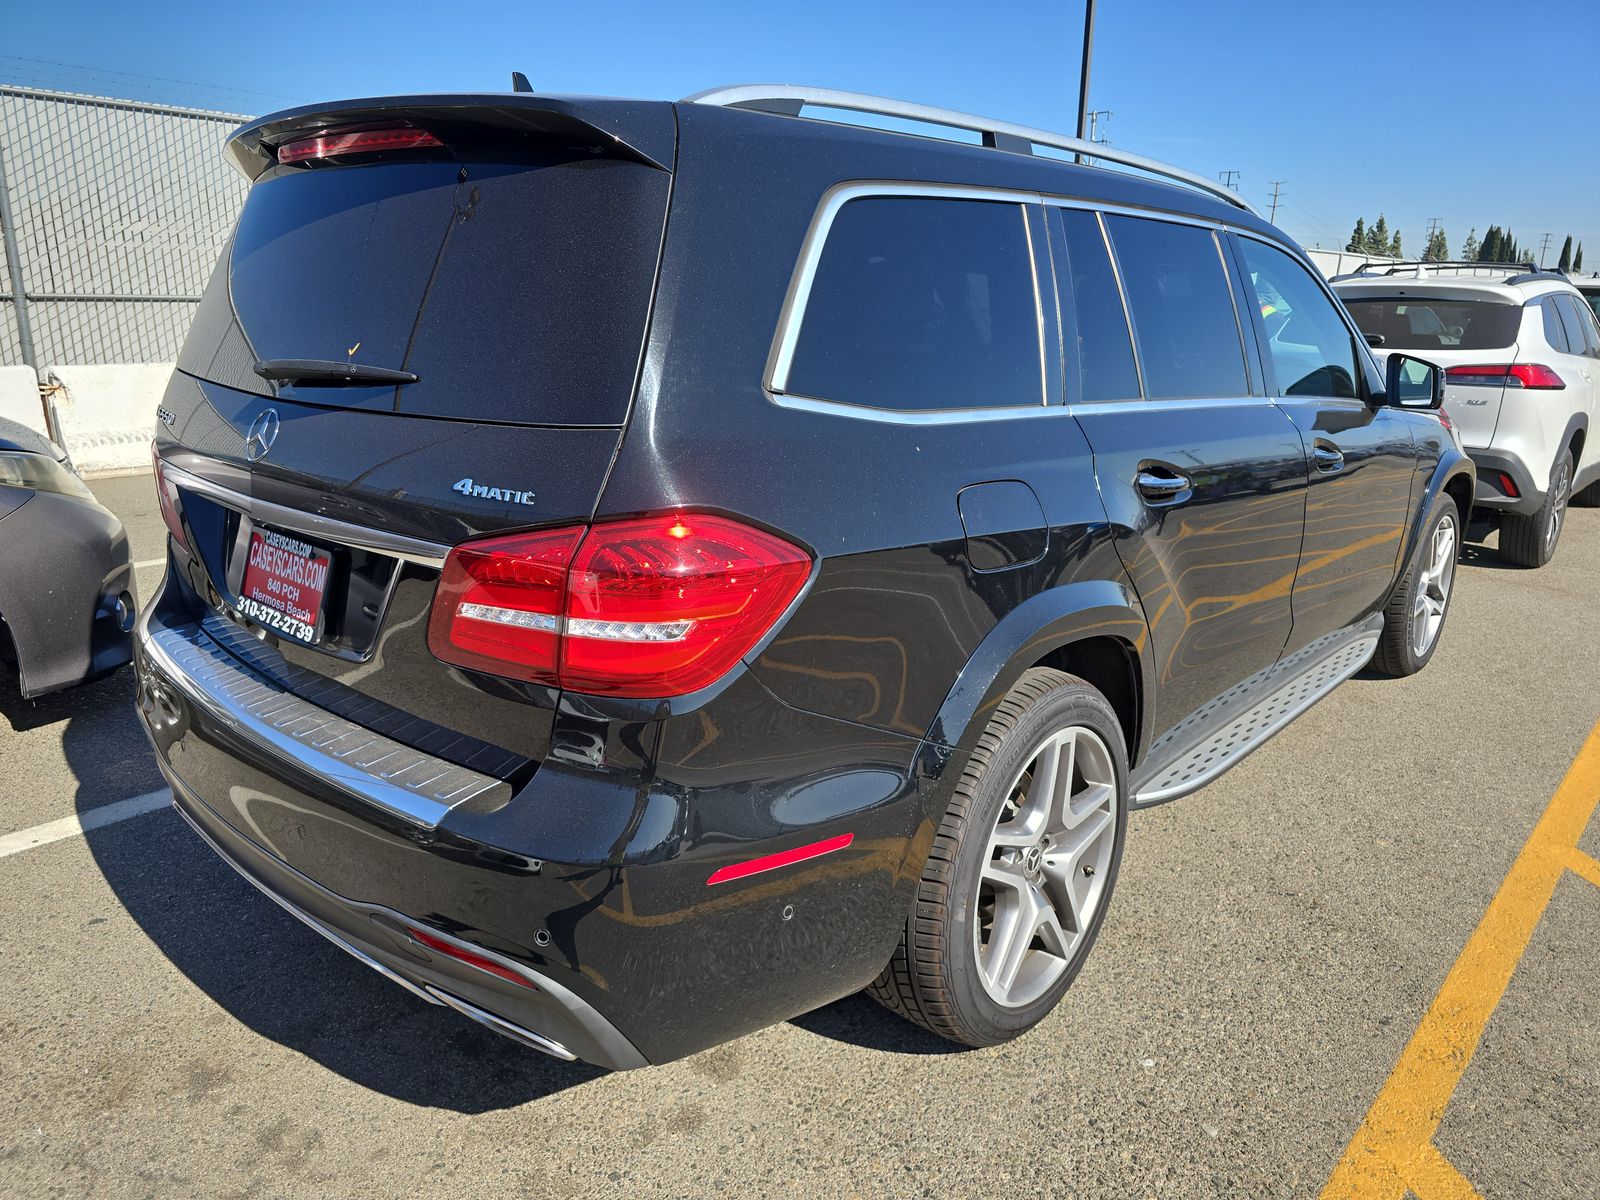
[
  {"x": 500, "y": 1025},
  {"x": 301, "y": 915},
  {"x": 406, "y": 783}
]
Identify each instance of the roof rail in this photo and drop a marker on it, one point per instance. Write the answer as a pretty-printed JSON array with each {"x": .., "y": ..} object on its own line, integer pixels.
[{"x": 788, "y": 100}]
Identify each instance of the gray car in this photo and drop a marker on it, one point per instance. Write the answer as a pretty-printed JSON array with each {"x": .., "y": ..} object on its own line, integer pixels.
[{"x": 66, "y": 579}]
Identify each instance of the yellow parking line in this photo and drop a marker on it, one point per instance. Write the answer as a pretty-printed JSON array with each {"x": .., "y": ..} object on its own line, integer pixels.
[{"x": 1393, "y": 1149}]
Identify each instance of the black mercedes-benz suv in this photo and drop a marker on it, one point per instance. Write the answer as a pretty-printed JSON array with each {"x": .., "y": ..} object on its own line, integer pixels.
[{"x": 641, "y": 571}]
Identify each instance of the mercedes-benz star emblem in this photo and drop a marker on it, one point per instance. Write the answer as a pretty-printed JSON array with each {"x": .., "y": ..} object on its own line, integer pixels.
[{"x": 263, "y": 432}]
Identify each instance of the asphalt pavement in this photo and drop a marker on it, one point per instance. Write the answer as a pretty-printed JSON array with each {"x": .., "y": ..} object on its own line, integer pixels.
[{"x": 1276, "y": 943}]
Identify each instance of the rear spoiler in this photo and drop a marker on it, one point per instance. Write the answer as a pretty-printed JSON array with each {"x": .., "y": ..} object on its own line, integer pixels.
[{"x": 642, "y": 130}]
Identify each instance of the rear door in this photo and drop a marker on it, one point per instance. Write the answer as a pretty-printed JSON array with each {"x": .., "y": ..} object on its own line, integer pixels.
[
  {"x": 1202, "y": 476},
  {"x": 1361, "y": 458},
  {"x": 404, "y": 346}
]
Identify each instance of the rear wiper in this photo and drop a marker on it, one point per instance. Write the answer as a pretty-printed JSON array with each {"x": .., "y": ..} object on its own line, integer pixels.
[{"x": 322, "y": 370}]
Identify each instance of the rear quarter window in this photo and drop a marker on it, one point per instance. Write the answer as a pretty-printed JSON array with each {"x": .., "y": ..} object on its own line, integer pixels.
[
  {"x": 1420, "y": 323},
  {"x": 922, "y": 303}
]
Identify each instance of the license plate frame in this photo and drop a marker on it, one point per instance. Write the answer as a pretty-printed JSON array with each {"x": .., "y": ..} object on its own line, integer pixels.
[{"x": 284, "y": 580}]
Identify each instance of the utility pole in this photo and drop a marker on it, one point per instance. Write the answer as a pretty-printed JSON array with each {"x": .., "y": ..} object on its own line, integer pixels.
[
  {"x": 1543, "y": 246},
  {"x": 1427, "y": 246},
  {"x": 1277, "y": 186},
  {"x": 1095, "y": 136},
  {"x": 1227, "y": 178},
  {"x": 1083, "y": 79}
]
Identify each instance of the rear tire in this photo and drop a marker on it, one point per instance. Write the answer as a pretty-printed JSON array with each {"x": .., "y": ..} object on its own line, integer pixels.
[
  {"x": 1037, "y": 823},
  {"x": 1413, "y": 619},
  {"x": 1588, "y": 498},
  {"x": 1530, "y": 541}
]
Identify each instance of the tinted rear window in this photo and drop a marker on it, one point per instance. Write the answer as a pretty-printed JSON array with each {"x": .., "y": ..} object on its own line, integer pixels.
[
  {"x": 922, "y": 304},
  {"x": 1182, "y": 308},
  {"x": 516, "y": 291},
  {"x": 1105, "y": 351},
  {"x": 1423, "y": 324}
]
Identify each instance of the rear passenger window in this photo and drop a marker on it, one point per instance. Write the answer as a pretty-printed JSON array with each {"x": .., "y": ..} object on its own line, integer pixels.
[
  {"x": 1312, "y": 349},
  {"x": 1553, "y": 331},
  {"x": 1572, "y": 322},
  {"x": 1182, "y": 309},
  {"x": 921, "y": 303},
  {"x": 1105, "y": 351}
]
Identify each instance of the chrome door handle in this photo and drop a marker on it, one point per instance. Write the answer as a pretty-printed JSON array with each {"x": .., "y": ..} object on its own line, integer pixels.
[
  {"x": 1166, "y": 487},
  {"x": 1327, "y": 459}
]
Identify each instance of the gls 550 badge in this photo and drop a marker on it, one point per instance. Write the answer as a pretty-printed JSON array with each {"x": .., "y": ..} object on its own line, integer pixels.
[{"x": 479, "y": 491}]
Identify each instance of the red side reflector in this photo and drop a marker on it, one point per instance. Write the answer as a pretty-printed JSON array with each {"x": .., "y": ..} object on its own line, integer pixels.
[
  {"x": 1526, "y": 375},
  {"x": 1508, "y": 485},
  {"x": 451, "y": 950},
  {"x": 334, "y": 142},
  {"x": 772, "y": 862}
]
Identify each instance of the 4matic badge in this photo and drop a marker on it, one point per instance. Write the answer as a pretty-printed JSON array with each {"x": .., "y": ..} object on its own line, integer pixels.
[{"x": 480, "y": 491}]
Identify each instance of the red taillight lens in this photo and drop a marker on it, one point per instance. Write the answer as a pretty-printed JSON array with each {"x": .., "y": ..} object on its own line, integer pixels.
[
  {"x": 166, "y": 501},
  {"x": 1526, "y": 375},
  {"x": 332, "y": 143},
  {"x": 1508, "y": 485},
  {"x": 498, "y": 604},
  {"x": 659, "y": 606}
]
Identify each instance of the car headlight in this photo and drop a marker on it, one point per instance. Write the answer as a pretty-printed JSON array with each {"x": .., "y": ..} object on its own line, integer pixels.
[{"x": 40, "y": 473}]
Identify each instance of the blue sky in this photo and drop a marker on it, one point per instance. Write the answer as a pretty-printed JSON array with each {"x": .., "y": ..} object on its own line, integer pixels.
[{"x": 1473, "y": 111}]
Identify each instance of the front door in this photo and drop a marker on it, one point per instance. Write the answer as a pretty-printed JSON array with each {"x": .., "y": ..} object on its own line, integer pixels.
[{"x": 1360, "y": 456}]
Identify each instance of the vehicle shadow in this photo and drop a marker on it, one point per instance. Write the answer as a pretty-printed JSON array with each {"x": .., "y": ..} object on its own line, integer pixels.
[
  {"x": 863, "y": 1022},
  {"x": 256, "y": 961},
  {"x": 1476, "y": 554}
]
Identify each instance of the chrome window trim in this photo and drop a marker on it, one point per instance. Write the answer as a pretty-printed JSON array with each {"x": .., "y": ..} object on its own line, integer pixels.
[
  {"x": 1085, "y": 408},
  {"x": 792, "y": 316},
  {"x": 416, "y": 550}
]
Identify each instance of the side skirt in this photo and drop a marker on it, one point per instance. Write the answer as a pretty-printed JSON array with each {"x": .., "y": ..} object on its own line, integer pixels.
[{"x": 1215, "y": 737}]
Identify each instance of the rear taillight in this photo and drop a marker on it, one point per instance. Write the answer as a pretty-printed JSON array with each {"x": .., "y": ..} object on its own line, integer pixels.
[
  {"x": 1508, "y": 485},
  {"x": 166, "y": 501},
  {"x": 1524, "y": 375},
  {"x": 653, "y": 607},
  {"x": 332, "y": 143}
]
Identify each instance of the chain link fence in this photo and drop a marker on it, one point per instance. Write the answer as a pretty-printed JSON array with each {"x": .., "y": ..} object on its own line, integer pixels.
[{"x": 114, "y": 213}]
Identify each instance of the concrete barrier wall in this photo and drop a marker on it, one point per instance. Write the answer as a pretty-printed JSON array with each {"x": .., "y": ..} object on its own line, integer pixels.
[
  {"x": 107, "y": 414},
  {"x": 19, "y": 398}
]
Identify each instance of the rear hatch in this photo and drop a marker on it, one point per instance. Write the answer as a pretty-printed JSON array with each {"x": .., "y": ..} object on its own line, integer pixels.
[
  {"x": 1453, "y": 327},
  {"x": 427, "y": 327}
]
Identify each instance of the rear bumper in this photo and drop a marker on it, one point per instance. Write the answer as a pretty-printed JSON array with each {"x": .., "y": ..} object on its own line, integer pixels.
[
  {"x": 545, "y": 1015},
  {"x": 591, "y": 882},
  {"x": 1491, "y": 491}
]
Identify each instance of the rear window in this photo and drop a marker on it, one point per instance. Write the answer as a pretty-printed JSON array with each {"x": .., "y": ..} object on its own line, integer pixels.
[
  {"x": 920, "y": 304},
  {"x": 1422, "y": 324},
  {"x": 1181, "y": 303},
  {"x": 517, "y": 291}
]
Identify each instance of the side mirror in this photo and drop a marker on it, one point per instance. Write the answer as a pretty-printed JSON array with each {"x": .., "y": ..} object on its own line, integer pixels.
[
  {"x": 1375, "y": 340},
  {"x": 1412, "y": 383}
]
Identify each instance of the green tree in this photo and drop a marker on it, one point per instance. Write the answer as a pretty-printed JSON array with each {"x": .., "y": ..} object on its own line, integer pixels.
[
  {"x": 1566, "y": 255},
  {"x": 1510, "y": 252},
  {"x": 1438, "y": 247},
  {"x": 1577, "y": 259},
  {"x": 1378, "y": 237},
  {"x": 1358, "y": 239},
  {"x": 1394, "y": 246},
  {"x": 1469, "y": 248},
  {"x": 1490, "y": 250}
]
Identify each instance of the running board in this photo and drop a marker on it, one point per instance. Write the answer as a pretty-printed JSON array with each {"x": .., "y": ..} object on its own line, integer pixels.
[{"x": 1218, "y": 743}]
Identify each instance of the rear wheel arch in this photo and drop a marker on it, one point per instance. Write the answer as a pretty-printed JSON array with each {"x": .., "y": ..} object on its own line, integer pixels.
[
  {"x": 1111, "y": 666},
  {"x": 1577, "y": 434}
]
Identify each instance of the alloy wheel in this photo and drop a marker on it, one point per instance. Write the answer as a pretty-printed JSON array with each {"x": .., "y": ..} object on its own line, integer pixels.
[
  {"x": 1560, "y": 487},
  {"x": 1046, "y": 866},
  {"x": 1433, "y": 588}
]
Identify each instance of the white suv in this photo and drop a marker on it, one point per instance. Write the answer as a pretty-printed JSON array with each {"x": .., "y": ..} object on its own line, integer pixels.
[{"x": 1521, "y": 352}]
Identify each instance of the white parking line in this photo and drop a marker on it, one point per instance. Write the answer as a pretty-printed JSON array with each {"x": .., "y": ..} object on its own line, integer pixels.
[
  {"x": 149, "y": 562},
  {"x": 95, "y": 818}
]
